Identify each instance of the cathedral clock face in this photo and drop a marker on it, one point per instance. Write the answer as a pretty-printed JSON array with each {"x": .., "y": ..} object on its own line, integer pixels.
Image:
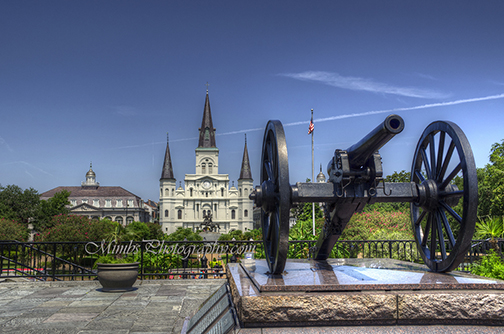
[{"x": 206, "y": 184}]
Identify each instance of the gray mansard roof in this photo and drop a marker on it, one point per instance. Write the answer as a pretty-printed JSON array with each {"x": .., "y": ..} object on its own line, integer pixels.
[{"x": 102, "y": 191}]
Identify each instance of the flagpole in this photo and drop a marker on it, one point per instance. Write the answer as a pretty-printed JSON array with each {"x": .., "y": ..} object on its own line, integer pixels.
[{"x": 313, "y": 176}]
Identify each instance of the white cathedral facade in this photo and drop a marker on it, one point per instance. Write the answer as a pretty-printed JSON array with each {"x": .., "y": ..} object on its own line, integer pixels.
[{"x": 206, "y": 192}]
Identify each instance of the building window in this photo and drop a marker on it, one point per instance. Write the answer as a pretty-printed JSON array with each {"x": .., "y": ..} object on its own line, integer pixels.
[
  {"x": 130, "y": 203},
  {"x": 245, "y": 213},
  {"x": 73, "y": 202},
  {"x": 222, "y": 192},
  {"x": 96, "y": 202},
  {"x": 203, "y": 168},
  {"x": 240, "y": 192},
  {"x": 108, "y": 203},
  {"x": 210, "y": 170},
  {"x": 119, "y": 203},
  {"x": 173, "y": 191},
  {"x": 206, "y": 194},
  {"x": 190, "y": 191},
  {"x": 167, "y": 192},
  {"x": 119, "y": 220},
  {"x": 166, "y": 213},
  {"x": 129, "y": 220},
  {"x": 233, "y": 214},
  {"x": 84, "y": 201},
  {"x": 179, "y": 213}
]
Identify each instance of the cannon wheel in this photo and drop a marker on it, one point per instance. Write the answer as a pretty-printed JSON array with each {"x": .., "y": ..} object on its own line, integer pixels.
[
  {"x": 275, "y": 213},
  {"x": 444, "y": 217}
]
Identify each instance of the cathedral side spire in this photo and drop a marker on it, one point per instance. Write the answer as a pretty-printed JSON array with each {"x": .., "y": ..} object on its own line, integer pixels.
[
  {"x": 245, "y": 172},
  {"x": 167, "y": 172},
  {"x": 207, "y": 131}
]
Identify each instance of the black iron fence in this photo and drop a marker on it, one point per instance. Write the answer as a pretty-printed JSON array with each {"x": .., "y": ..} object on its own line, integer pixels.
[{"x": 183, "y": 259}]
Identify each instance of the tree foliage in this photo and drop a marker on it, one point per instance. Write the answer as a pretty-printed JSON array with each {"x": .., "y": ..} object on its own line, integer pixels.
[
  {"x": 182, "y": 234},
  {"x": 155, "y": 231},
  {"x": 491, "y": 183},
  {"x": 18, "y": 204},
  {"x": 303, "y": 212},
  {"x": 51, "y": 207},
  {"x": 239, "y": 235}
]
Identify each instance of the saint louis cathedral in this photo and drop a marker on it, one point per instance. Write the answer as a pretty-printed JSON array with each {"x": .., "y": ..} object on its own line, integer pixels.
[{"x": 207, "y": 193}]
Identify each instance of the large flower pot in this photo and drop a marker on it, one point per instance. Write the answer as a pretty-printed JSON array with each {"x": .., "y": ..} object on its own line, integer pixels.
[{"x": 117, "y": 277}]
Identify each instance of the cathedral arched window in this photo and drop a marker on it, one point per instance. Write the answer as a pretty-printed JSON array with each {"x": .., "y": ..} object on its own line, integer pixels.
[
  {"x": 179, "y": 213},
  {"x": 240, "y": 192},
  {"x": 245, "y": 213},
  {"x": 222, "y": 192},
  {"x": 203, "y": 168},
  {"x": 167, "y": 192},
  {"x": 233, "y": 214},
  {"x": 166, "y": 213},
  {"x": 190, "y": 191},
  {"x": 210, "y": 168}
]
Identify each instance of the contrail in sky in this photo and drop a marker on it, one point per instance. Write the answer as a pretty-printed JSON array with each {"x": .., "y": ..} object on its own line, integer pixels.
[
  {"x": 425, "y": 106},
  {"x": 333, "y": 118}
]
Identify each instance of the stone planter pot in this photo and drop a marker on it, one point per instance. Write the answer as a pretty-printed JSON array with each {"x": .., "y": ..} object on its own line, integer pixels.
[{"x": 117, "y": 277}]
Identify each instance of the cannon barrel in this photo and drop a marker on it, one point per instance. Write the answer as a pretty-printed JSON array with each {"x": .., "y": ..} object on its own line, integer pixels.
[{"x": 359, "y": 153}]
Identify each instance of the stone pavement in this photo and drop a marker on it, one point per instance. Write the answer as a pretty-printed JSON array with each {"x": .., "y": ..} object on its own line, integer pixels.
[{"x": 157, "y": 306}]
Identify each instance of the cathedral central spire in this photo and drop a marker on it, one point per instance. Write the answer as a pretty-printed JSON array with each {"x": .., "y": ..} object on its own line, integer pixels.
[{"x": 207, "y": 131}]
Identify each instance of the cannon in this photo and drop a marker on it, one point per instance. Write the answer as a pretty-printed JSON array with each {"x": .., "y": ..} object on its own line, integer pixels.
[{"x": 442, "y": 192}]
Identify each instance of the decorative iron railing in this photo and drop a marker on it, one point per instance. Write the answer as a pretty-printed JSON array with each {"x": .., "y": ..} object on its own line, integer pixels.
[{"x": 184, "y": 259}]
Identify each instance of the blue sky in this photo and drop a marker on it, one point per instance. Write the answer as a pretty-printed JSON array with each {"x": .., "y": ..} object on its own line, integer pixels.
[{"x": 104, "y": 81}]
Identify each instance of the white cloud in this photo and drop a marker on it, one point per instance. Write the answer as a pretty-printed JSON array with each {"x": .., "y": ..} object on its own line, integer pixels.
[{"x": 363, "y": 84}]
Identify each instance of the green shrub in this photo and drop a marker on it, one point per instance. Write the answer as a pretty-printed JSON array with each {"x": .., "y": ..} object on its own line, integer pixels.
[
  {"x": 12, "y": 230},
  {"x": 491, "y": 266},
  {"x": 76, "y": 228},
  {"x": 379, "y": 226}
]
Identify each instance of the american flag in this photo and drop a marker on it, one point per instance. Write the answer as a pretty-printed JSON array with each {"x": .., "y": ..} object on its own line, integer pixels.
[{"x": 312, "y": 126}]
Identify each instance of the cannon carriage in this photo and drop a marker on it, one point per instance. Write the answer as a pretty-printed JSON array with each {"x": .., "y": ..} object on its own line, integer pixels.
[{"x": 443, "y": 214}]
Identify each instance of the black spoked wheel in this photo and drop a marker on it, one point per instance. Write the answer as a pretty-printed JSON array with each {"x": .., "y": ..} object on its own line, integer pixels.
[
  {"x": 275, "y": 197},
  {"x": 445, "y": 215}
]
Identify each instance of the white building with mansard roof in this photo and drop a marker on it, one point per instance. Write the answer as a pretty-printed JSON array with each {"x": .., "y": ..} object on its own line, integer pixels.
[
  {"x": 206, "y": 191},
  {"x": 96, "y": 202}
]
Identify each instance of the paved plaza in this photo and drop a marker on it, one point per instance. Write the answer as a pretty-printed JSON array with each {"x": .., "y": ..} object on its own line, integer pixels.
[{"x": 158, "y": 306}]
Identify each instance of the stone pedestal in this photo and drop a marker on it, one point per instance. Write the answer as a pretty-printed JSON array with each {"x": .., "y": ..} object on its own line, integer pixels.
[{"x": 360, "y": 292}]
